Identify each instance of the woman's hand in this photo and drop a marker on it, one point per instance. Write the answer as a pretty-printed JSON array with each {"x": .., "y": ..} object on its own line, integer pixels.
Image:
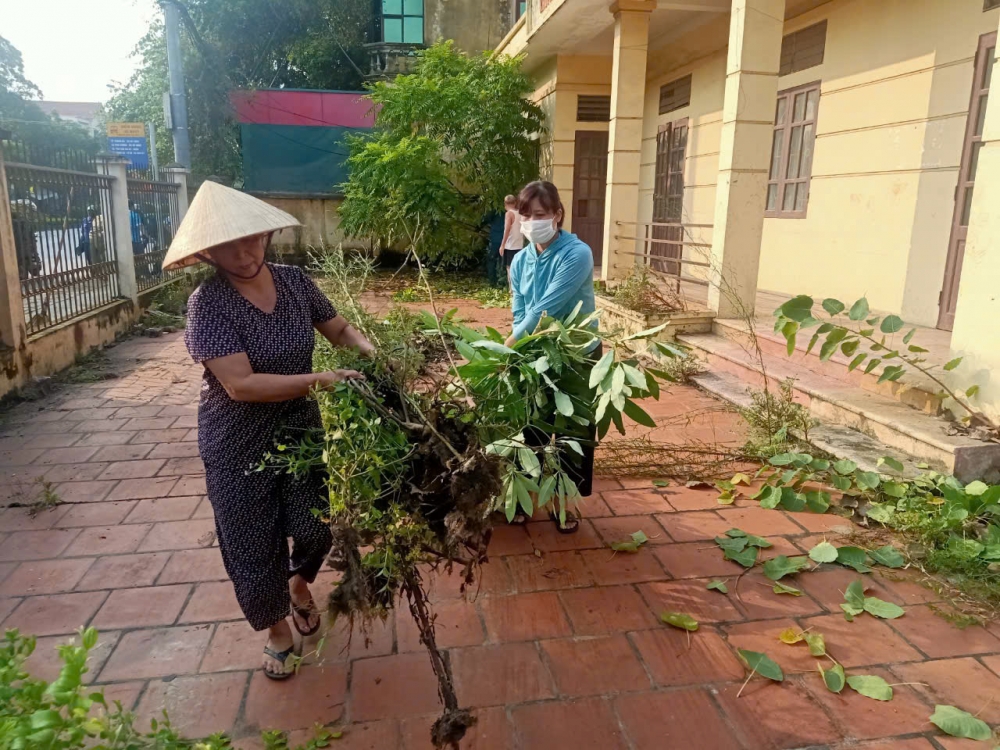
[{"x": 329, "y": 378}]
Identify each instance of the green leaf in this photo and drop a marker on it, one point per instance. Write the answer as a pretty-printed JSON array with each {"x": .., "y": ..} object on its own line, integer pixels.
[
  {"x": 636, "y": 414},
  {"x": 859, "y": 310},
  {"x": 661, "y": 483},
  {"x": 844, "y": 466},
  {"x": 834, "y": 678},
  {"x": 871, "y": 686},
  {"x": 797, "y": 309},
  {"x": 888, "y": 556},
  {"x": 781, "y": 566},
  {"x": 850, "y": 611},
  {"x": 885, "y": 610},
  {"x": 646, "y": 334},
  {"x": 976, "y": 488},
  {"x": 717, "y": 585},
  {"x": 731, "y": 544},
  {"x": 841, "y": 483},
  {"x": 545, "y": 491},
  {"x": 781, "y": 588},
  {"x": 492, "y": 346},
  {"x": 894, "y": 489},
  {"x": 909, "y": 335},
  {"x": 816, "y": 643},
  {"x": 824, "y": 552},
  {"x": 679, "y": 620},
  {"x": 949, "y": 366},
  {"x": 856, "y": 361},
  {"x": 891, "y": 324},
  {"x": 746, "y": 557},
  {"x": 792, "y": 500},
  {"x": 872, "y": 364},
  {"x": 892, "y": 463},
  {"x": 818, "y": 501},
  {"x": 881, "y": 512},
  {"x": 770, "y": 497},
  {"x": 564, "y": 404},
  {"x": 833, "y": 306},
  {"x": 782, "y": 459},
  {"x": 971, "y": 391},
  {"x": 762, "y": 665},
  {"x": 89, "y": 638},
  {"x": 853, "y": 557},
  {"x": 639, "y": 538},
  {"x": 855, "y": 594},
  {"x": 868, "y": 480},
  {"x": 959, "y": 723},
  {"x": 601, "y": 369},
  {"x": 849, "y": 347}
]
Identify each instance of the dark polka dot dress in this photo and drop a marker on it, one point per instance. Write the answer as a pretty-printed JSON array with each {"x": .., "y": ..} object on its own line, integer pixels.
[{"x": 257, "y": 511}]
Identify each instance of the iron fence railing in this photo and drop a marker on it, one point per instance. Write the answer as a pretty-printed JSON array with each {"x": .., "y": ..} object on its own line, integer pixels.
[
  {"x": 39, "y": 154},
  {"x": 663, "y": 245},
  {"x": 63, "y": 240},
  {"x": 154, "y": 216}
]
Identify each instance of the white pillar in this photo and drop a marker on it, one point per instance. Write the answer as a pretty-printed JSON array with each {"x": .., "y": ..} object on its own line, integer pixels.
[
  {"x": 179, "y": 176},
  {"x": 12, "y": 328},
  {"x": 115, "y": 167},
  {"x": 755, "y": 31},
  {"x": 628, "y": 93}
]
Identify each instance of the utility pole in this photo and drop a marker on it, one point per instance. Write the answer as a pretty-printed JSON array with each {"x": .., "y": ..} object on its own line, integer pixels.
[{"x": 178, "y": 100}]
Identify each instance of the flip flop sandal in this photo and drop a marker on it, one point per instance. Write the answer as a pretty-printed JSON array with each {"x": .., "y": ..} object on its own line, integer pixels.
[
  {"x": 304, "y": 611},
  {"x": 572, "y": 523},
  {"x": 281, "y": 656},
  {"x": 520, "y": 518}
]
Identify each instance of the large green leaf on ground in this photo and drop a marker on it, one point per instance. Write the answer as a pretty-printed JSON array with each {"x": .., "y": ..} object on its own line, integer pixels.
[
  {"x": 680, "y": 621},
  {"x": 781, "y": 566},
  {"x": 762, "y": 665},
  {"x": 833, "y": 677},
  {"x": 888, "y": 556},
  {"x": 824, "y": 552},
  {"x": 853, "y": 557},
  {"x": 885, "y": 610},
  {"x": 871, "y": 686},
  {"x": 959, "y": 723}
]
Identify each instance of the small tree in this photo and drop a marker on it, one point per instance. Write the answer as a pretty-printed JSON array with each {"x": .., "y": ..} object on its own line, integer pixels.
[{"x": 450, "y": 141}]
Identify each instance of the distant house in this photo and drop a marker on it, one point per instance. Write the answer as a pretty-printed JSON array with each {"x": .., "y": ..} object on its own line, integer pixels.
[
  {"x": 82, "y": 113},
  {"x": 293, "y": 152}
]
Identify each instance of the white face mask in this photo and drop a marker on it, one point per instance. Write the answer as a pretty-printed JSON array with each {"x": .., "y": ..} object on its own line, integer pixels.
[{"x": 539, "y": 231}]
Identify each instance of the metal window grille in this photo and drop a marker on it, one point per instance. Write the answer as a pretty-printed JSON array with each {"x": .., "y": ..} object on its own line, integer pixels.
[
  {"x": 593, "y": 108},
  {"x": 792, "y": 152},
  {"x": 63, "y": 240},
  {"x": 803, "y": 50},
  {"x": 153, "y": 219},
  {"x": 675, "y": 95}
]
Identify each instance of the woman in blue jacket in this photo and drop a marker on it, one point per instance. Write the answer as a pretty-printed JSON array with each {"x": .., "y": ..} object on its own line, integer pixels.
[{"x": 551, "y": 276}]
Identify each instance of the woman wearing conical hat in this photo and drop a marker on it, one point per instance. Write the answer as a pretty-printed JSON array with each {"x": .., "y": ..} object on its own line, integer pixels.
[{"x": 252, "y": 327}]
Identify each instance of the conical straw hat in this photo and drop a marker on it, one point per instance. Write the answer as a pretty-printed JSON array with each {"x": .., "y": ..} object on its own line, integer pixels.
[{"x": 217, "y": 215}]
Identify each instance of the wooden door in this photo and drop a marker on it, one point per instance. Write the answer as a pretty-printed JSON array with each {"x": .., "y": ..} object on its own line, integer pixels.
[
  {"x": 668, "y": 196},
  {"x": 967, "y": 179},
  {"x": 590, "y": 182}
]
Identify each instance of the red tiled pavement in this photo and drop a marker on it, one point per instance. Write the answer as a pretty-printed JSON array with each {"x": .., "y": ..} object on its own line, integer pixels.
[{"x": 563, "y": 647}]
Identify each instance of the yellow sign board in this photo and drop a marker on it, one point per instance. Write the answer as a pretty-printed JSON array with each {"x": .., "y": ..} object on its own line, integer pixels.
[{"x": 126, "y": 130}]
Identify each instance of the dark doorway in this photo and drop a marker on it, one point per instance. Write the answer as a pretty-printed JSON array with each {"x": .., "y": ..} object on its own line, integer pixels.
[{"x": 590, "y": 182}]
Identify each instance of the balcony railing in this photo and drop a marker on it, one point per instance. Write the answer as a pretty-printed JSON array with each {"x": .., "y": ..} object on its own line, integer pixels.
[{"x": 389, "y": 60}]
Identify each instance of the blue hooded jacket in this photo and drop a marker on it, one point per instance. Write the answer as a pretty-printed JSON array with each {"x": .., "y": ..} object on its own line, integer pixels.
[{"x": 553, "y": 282}]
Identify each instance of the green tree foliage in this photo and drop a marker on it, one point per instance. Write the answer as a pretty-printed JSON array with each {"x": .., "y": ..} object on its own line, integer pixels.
[
  {"x": 450, "y": 141},
  {"x": 230, "y": 44},
  {"x": 21, "y": 115}
]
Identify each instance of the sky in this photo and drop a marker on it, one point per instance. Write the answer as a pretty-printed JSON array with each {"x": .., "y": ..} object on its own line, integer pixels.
[{"x": 73, "y": 49}]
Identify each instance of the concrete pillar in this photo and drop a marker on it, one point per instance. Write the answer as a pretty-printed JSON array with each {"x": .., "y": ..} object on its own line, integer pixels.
[
  {"x": 976, "y": 336},
  {"x": 178, "y": 175},
  {"x": 628, "y": 92},
  {"x": 114, "y": 166},
  {"x": 755, "y": 31},
  {"x": 12, "y": 328}
]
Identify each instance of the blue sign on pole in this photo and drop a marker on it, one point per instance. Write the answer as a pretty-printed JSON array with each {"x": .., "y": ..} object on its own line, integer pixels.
[{"x": 128, "y": 139}]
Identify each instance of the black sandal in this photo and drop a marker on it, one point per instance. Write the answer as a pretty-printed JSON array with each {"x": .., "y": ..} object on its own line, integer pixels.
[
  {"x": 281, "y": 656},
  {"x": 572, "y": 522},
  {"x": 304, "y": 611}
]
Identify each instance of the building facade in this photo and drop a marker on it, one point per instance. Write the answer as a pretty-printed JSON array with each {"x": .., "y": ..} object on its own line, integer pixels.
[{"x": 835, "y": 148}]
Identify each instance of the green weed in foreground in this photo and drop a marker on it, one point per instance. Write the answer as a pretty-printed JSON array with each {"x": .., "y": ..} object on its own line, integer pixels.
[{"x": 68, "y": 715}]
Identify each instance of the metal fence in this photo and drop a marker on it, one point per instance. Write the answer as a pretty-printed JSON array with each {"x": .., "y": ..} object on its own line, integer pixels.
[
  {"x": 64, "y": 241},
  {"x": 153, "y": 216}
]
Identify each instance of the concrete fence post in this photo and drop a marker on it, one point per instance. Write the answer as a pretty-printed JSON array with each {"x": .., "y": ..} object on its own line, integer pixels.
[
  {"x": 12, "y": 325},
  {"x": 115, "y": 167},
  {"x": 179, "y": 176}
]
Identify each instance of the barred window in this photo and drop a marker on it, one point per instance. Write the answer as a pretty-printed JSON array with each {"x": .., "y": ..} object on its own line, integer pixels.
[
  {"x": 403, "y": 21},
  {"x": 675, "y": 95},
  {"x": 803, "y": 50},
  {"x": 792, "y": 152}
]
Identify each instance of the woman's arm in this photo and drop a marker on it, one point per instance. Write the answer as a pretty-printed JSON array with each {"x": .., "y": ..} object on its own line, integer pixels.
[
  {"x": 243, "y": 384},
  {"x": 341, "y": 333},
  {"x": 508, "y": 222}
]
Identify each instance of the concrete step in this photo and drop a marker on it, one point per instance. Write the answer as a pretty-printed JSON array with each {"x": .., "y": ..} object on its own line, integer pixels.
[
  {"x": 836, "y": 403},
  {"x": 913, "y": 389}
]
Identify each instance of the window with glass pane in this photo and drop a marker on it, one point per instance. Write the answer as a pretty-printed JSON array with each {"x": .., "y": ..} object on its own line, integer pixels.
[
  {"x": 520, "y": 8},
  {"x": 403, "y": 21},
  {"x": 792, "y": 147}
]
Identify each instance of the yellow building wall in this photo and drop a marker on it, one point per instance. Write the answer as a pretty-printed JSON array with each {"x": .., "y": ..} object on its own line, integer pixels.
[{"x": 896, "y": 82}]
